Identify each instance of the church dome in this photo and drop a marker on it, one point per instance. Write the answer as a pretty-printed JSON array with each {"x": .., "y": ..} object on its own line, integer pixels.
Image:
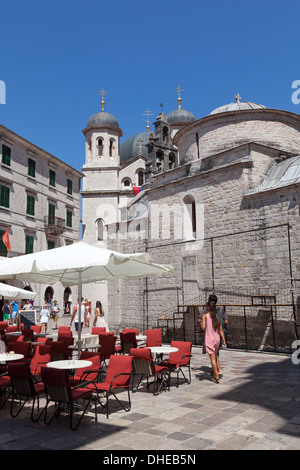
[
  {"x": 180, "y": 115},
  {"x": 103, "y": 119},
  {"x": 239, "y": 105},
  {"x": 134, "y": 146}
]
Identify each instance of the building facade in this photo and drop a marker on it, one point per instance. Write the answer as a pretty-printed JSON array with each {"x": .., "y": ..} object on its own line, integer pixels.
[
  {"x": 219, "y": 201},
  {"x": 39, "y": 205}
]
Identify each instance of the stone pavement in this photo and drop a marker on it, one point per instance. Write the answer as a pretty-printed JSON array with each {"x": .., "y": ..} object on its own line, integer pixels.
[{"x": 256, "y": 406}]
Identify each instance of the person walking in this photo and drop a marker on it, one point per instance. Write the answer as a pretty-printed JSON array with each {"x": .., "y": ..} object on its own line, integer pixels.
[
  {"x": 75, "y": 315},
  {"x": 15, "y": 311},
  {"x": 44, "y": 318},
  {"x": 212, "y": 326},
  {"x": 6, "y": 312},
  {"x": 55, "y": 312},
  {"x": 99, "y": 316}
]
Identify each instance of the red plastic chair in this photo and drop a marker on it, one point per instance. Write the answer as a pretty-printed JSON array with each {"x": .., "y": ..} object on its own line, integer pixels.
[
  {"x": 58, "y": 390},
  {"x": 13, "y": 338},
  {"x": 20, "y": 347},
  {"x": 144, "y": 366},
  {"x": 64, "y": 328},
  {"x": 131, "y": 330},
  {"x": 107, "y": 348},
  {"x": 117, "y": 377},
  {"x": 36, "y": 329},
  {"x": 28, "y": 334},
  {"x": 41, "y": 356},
  {"x": 96, "y": 330},
  {"x": 153, "y": 337},
  {"x": 24, "y": 388},
  {"x": 5, "y": 384},
  {"x": 59, "y": 351},
  {"x": 68, "y": 340},
  {"x": 128, "y": 341},
  {"x": 90, "y": 373},
  {"x": 65, "y": 333},
  {"x": 179, "y": 359},
  {"x": 11, "y": 329}
]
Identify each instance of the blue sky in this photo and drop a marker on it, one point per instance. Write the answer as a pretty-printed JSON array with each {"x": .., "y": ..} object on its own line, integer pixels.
[{"x": 57, "y": 56}]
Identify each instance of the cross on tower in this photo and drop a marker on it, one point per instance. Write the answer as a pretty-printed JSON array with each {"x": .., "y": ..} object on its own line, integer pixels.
[
  {"x": 148, "y": 113},
  {"x": 178, "y": 91},
  {"x": 102, "y": 93}
]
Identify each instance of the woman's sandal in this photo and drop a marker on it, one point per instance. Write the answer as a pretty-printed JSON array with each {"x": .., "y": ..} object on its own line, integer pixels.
[{"x": 215, "y": 380}]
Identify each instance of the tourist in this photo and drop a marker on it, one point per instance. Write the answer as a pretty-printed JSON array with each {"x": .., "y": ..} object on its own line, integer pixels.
[
  {"x": 27, "y": 306},
  {"x": 44, "y": 317},
  {"x": 75, "y": 315},
  {"x": 212, "y": 326},
  {"x": 6, "y": 312},
  {"x": 99, "y": 320},
  {"x": 15, "y": 311},
  {"x": 55, "y": 312},
  {"x": 87, "y": 313}
]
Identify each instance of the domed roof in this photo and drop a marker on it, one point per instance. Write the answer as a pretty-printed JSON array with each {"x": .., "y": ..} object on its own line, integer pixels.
[
  {"x": 103, "y": 119},
  {"x": 180, "y": 115},
  {"x": 239, "y": 105},
  {"x": 134, "y": 146}
]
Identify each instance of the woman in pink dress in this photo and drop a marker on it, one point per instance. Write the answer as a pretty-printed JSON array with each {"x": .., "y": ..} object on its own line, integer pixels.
[{"x": 212, "y": 325}]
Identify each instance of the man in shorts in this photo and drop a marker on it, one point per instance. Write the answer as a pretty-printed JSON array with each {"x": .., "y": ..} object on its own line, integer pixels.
[
  {"x": 15, "y": 309},
  {"x": 6, "y": 312},
  {"x": 54, "y": 312}
]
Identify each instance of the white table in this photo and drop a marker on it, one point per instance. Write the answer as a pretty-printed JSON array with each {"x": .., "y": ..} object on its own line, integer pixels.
[
  {"x": 69, "y": 364},
  {"x": 5, "y": 357},
  {"x": 141, "y": 337},
  {"x": 163, "y": 349}
]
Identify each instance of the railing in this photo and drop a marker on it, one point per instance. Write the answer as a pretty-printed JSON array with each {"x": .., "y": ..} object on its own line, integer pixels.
[{"x": 54, "y": 225}]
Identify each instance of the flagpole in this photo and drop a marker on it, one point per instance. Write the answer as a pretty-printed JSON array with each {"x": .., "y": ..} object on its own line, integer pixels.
[{"x": 79, "y": 312}]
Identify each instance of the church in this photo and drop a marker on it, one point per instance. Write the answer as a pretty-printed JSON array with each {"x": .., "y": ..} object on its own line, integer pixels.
[{"x": 217, "y": 197}]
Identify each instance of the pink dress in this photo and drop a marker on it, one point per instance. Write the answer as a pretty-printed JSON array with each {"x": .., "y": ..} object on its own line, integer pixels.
[{"x": 212, "y": 337}]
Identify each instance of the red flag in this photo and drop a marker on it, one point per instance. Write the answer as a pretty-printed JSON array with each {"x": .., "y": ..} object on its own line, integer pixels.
[{"x": 5, "y": 239}]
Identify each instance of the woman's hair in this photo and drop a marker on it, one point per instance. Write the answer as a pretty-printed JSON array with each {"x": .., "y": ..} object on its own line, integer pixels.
[
  {"x": 99, "y": 305},
  {"x": 216, "y": 320}
]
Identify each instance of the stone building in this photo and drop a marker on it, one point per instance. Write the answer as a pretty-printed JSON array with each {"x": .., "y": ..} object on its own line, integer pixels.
[
  {"x": 39, "y": 204},
  {"x": 219, "y": 201}
]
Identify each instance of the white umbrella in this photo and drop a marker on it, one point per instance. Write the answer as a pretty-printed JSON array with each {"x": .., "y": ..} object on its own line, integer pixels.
[
  {"x": 79, "y": 264},
  {"x": 11, "y": 292}
]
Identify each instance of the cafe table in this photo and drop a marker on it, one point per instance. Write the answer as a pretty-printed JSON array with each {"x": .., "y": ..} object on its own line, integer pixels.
[
  {"x": 70, "y": 364},
  {"x": 159, "y": 351},
  {"x": 5, "y": 357}
]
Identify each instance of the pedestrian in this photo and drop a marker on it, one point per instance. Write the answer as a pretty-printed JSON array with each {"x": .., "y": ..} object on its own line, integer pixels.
[
  {"x": 27, "y": 306},
  {"x": 75, "y": 315},
  {"x": 44, "y": 318},
  {"x": 212, "y": 326},
  {"x": 86, "y": 313},
  {"x": 99, "y": 320},
  {"x": 6, "y": 311},
  {"x": 15, "y": 310},
  {"x": 55, "y": 313}
]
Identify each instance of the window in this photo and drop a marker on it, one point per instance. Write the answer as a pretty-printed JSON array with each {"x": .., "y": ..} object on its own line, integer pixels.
[
  {"x": 190, "y": 228},
  {"x": 4, "y": 196},
  {"x": 69, "y": 186},
  {"x": 140, "y": 178},
  {"x": 111, "y": 147},
  {"x": 29, "y": 244},
  {"x": 52, "y": 178},
  {"x": 31, "y": 167},
  {"x": 159, "y": 161},
  {"x": 51, "y": 214},
  {"x": 30, "y": 205},
  {"x": 100, "y": 230},
  {"x": 171, "y": 161},
  {"x": 127, "y": 183},
  {"x": 100, "y": 147},
  {"x": 50, "y": 244},
  {"x": 165, "y": 135},
  {"x": 69, "y": 218},
  {"x": 6, "y": 152},
  {"x": 3, "y": 249}
]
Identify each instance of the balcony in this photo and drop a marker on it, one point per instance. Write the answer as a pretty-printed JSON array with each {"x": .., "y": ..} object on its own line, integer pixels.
[{"x": 54, "y": 225}]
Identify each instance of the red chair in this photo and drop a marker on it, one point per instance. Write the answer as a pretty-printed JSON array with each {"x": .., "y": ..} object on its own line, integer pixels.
[
  {"x": 128, "y": 341},
  {"x": 59, "y": 351},
  {"x": 131, "y": 330},
  {"x": 36, "y": 329},
  {"x": 144, "y": 366},
  {"x": 90, "y": 373},
  {"x": 117, "y": 378},
  {"x": 65, "y": 333},
  {"x": 11, "y": 329},
  {"x": 98, "y": 330},
  {"x": 24, "y": 388},
  {"x": 64, "y": 328},
  {"x": 5, "y": 384},
  {"x": 20, "y": 347},
  {"x": 179, "y": 359},
  {"x": 58, "y": 390},
  {"x": 107, "y": 348},
  {"x": 68, "y": 340},
  {"x": 28, "y": 334},
  {"x": 41, "y": 356},
  {"x": 153, "y": 337},
  {"x": 13, "y": 338}
]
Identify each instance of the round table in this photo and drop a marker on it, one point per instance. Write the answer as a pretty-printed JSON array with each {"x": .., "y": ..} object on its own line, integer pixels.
[
  {"x": 163, "y": 349},
  {"x": 70, "y": 364},
  {"x": 10, "y": 357},
  {"x": 141, "y": 337}
]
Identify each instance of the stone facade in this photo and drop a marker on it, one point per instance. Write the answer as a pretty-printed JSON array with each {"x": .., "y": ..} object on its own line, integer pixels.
[
  {"x": 26, "y": 177},
  {"x": 208, "y": 217}
]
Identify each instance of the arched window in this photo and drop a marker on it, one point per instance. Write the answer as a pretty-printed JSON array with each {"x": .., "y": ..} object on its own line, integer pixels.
[
  {"x": 49, "y": 292},
  {"x": 160, "y": 161},
  {"x": 100, "y": 147},
  {"x": 140, "y": 178},
  {"x": 100, "y": 230},
  {"x": 189, "y": 217},
  {"x": 111, "y": 147},
  {"x": 67, "y": 300},
  {"x": 126, "y": 183},
  {"x": 171, "y": 161}
]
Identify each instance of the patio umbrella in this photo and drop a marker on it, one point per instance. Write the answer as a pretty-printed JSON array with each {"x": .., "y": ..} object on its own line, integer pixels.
[
  {"x": 11, "y": 292},
  {"x": 78, "y": 264}
]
